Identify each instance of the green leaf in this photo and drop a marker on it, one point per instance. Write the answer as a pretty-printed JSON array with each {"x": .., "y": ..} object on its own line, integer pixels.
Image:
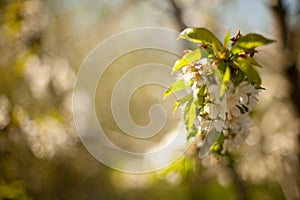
[
  {"x": 260, "y": 88},
  {"x": 250, "y": 41},
  {"x": 245, "y": 65},
  {"x": 191, "y": 117},
  {"x": 192, "y": 132},
  {"x": 187, "y": 110},
  {"x": 254, "y": 62},
  {"x": 184, "y": 166},
  {"x": 202, "y": 35},
  {"x": 190, "y": 113},
  {"x": 176, "y": 86},
  {"x": 238, "y": 77},
  {"x": 181, "y": 101},
  {"x": 221, "y": 69},
  {"x": 188, "y": 58},
  {"x": 226, "y": 78},
  {"x": 227, "y": 39},
  {"x": 201, "y": 95}
]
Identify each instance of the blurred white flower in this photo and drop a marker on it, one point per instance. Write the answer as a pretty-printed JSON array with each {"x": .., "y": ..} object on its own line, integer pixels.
[
  {"x": 37, "y": 76},
  {"x": 45, "y": 135},
  {"x": 62, "y": 76},
  {"x": 5, "y": 108}
]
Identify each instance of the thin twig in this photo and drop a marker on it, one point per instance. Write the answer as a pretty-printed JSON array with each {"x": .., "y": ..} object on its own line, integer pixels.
[{"x": 239, "y": 185}]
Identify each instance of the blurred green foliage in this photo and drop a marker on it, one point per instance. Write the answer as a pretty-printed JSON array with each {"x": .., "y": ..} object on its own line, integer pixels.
[{"x": 33, "y": 162}]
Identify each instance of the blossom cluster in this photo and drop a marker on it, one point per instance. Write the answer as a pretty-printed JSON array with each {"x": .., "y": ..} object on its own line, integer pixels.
[
  {"x": 228, "y": 114},
  {"x": 225, "y": 86}
]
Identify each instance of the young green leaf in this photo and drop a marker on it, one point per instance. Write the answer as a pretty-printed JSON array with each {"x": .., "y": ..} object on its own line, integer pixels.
[
  {"x": 184, "y": 166},
  {"x": 176, "y": 86},
  {"x": 187, "y": 98},
  {"x": 190, "y": 112},
  {"x": 250, "y": 41},
  {"x": 188, "y": 58},
  {"x": 254, "y": 62},
  {"x": 192, "y": 132},
  {"x": 227, "y": 39},
  {"x": 191, "y": 116},
  {"x": 238, "y": 77},
  {"x": 221, "y": 69},
  {"x": 225, "y": 79},
  {"x": 201, "y": 95},
  {"x": 187, "y": 110},
  {"x": 202, "y": 35},
  {"x": 245, "y": 65}
]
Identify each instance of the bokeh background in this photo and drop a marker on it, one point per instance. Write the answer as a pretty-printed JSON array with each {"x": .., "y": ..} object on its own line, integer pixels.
[{"x": 43, "y": 43}]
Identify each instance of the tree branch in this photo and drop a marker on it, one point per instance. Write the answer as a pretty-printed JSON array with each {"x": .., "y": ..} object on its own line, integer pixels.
[
  {"x": 287, "y": 36},
  {"x": 280, "y": 16},
  {"x": 288, "y": 41},
  {"x": 177, "y": 11}
]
